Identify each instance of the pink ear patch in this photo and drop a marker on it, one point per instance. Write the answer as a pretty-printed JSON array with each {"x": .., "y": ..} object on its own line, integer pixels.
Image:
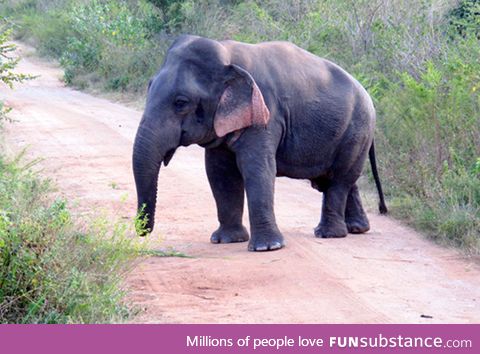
[
  {"x": 260, "y": 112},
  {"x": 236, "y": 111},
  {"x": 232, "y": 114}
]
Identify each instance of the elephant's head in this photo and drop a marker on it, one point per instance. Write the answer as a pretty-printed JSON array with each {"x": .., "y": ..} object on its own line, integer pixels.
[{"x": 197, "y": 97}]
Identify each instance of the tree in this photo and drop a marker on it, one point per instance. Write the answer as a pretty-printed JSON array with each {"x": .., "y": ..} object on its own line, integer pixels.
[{"x": 7, "y": 65}]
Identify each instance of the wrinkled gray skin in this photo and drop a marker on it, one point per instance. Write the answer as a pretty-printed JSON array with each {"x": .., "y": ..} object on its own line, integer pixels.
[{"x": 320, "y": 127}]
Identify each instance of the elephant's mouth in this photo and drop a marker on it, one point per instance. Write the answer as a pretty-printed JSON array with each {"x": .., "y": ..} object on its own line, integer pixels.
[
  {"x": 168, "y": 156},
  {"x": 211, "y": 144}
]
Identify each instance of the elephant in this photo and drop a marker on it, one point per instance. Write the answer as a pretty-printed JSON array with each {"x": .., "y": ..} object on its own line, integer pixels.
[{"x": 259, "y": 111}]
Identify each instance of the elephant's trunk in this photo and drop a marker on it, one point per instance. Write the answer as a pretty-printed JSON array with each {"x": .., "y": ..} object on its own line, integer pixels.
[
  {"x": 146, "y": 167},
  {"x": 156, "y": 142},
  {"x": 158, "y": 136}
]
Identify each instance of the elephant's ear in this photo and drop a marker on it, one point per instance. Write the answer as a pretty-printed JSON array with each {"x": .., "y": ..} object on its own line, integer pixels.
[{"x": 241, "y": 104}]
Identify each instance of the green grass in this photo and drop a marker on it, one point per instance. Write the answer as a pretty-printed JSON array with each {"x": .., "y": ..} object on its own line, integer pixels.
[
  {"x": 53, "y": 271},
  {"x": 54, "y": 268}
]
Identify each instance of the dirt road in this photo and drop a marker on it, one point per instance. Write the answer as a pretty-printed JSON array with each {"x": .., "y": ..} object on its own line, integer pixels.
[{"x": 389, "y": 275}]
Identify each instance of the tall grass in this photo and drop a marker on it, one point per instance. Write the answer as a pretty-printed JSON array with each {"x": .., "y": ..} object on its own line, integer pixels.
[
  {"x": 106, "y": 44},
  {"x": 418, "y": 60},
  {"x": 53, "y": 270},
  {"x": 430, "y": 141}
]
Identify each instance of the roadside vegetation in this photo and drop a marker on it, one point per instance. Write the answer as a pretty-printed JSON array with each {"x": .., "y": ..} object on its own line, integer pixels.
[
  {"x": 418, "y": 59},
  {"x": 53, "y": 267},
  {"x": 53, "y": 270},
  {"x": 7, "y": 63}
]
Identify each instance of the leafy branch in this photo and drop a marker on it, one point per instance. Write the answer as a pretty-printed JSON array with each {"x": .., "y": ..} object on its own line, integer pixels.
[{"x": 7, "y": 66}]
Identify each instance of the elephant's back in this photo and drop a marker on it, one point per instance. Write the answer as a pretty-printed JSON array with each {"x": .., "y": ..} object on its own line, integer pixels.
[
  {"x": 287, "y": 67},
  {"x": 316, "y": 105},
  {"x": 298, "y": 82}
]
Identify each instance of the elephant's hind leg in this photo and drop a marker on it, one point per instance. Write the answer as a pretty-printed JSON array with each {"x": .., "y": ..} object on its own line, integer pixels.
[
  {"x": 228, "y": 190},
  {"x": 332, "y": 222},
  {"x": 355, "y": 217}
]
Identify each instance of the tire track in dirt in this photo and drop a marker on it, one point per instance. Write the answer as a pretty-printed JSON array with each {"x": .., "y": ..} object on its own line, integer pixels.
[{"x": 389, "y": 275}]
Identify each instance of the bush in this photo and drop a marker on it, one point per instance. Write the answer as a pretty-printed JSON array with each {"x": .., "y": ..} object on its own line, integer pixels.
[
  {"x": 110, "y": 43},
  {"x": 51, "y": 31},
  {"x": 7, "y": 65},
  {"x": 430, "y": 144},
  {"x": 465, "y": 18},
  {"x": 51, "y": 272},
  {"x": 102, "y": 31}
]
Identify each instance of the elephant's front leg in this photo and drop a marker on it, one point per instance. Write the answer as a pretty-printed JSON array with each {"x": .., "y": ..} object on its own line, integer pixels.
[
  {"x": 227, "y": 187},
  {"x": 259, "y": 177}
]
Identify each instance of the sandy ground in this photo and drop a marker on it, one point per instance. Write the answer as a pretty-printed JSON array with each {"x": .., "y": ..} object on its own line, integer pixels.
[{"x": 389, "y": 275}]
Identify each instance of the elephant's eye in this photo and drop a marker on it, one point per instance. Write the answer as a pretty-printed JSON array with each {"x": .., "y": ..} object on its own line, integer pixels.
[{"x": 181, "y": 102}]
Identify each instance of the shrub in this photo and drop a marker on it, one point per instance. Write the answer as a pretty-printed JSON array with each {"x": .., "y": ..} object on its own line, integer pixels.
[
  {"x": 97, "y": 27},
  {"x": 7, "y": 64},
  {"x": 51, "y": 271},
  {"x": 430, "y": 145},
  {"x": 51, "y": 31},
  {"x": 465, "y": 18}
]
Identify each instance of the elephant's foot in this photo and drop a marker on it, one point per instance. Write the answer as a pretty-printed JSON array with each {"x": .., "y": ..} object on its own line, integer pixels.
[
  {"x": 266, "y": 242},
  {"x": 357, "y": 225},
  {"x": 229, "y": 234},
  {"x": 355, "y": 217},
  {"x": 331, "y": 231}
]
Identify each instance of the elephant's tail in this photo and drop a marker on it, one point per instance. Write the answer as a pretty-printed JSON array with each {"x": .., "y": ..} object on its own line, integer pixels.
[{"x": 373, "y": 162}]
